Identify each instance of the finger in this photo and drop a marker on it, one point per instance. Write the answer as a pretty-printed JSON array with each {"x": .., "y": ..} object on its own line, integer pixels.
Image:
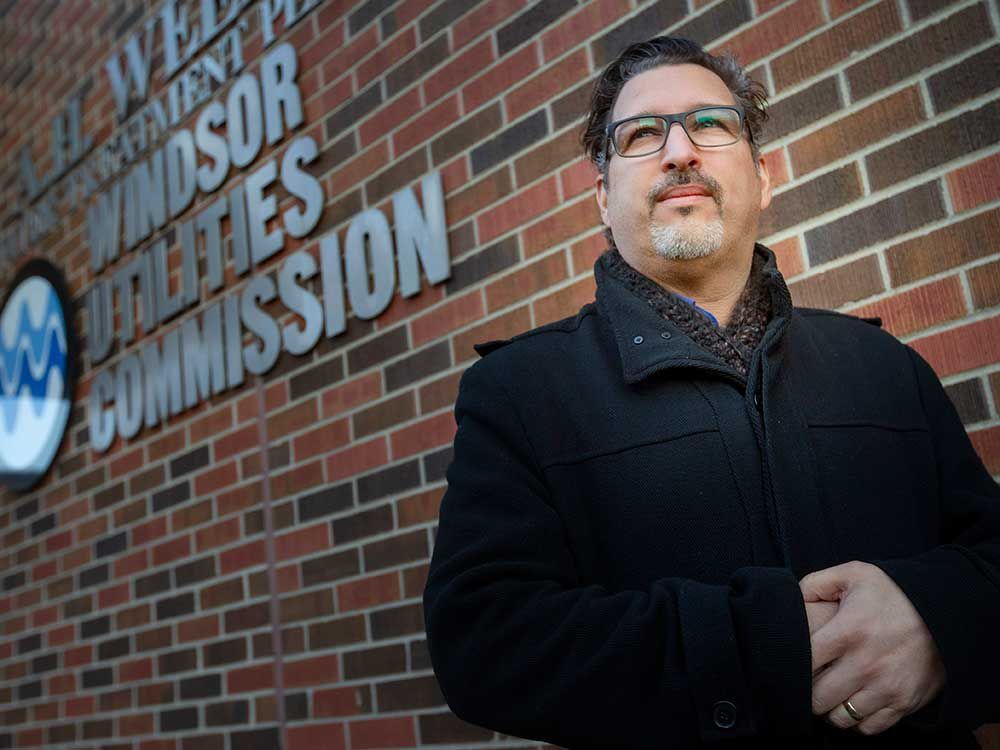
[
  {"x": 879, "y": 721},
  {"x": 865, "y": 703},
  {"x": 826, "y": 585},
  {"x": 836, "y": 684},
  {"x": 831, "y": 641}
]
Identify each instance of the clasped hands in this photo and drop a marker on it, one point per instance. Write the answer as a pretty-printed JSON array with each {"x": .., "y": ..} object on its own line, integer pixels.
[{"x": 869, "y": 646}]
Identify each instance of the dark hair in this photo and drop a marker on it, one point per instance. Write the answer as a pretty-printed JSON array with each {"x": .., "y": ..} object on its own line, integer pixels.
[{"x": 666, "y": 50}]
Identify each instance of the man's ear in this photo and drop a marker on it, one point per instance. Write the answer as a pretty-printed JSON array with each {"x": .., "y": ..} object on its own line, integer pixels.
[
  {"x": 765, "y": 183},
  {"x": 601, "y": 194}
]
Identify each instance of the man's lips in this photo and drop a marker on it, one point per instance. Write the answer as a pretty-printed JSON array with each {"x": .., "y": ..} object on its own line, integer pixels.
[{"x": 682, "y": 192}]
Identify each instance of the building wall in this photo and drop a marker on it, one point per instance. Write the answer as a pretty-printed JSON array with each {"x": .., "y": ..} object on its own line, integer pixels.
[{"x": 141, "y": 586}]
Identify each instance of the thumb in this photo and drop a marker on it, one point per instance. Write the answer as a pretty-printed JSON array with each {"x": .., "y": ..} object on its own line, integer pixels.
[{"x": 827, "y": 585}]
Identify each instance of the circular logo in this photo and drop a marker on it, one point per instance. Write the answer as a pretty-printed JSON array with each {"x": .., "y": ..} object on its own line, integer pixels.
[{"x": 37, "y": 373}]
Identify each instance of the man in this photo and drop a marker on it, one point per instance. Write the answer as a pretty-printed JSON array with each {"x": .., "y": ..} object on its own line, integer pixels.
[{"x": 693, "y": 514}]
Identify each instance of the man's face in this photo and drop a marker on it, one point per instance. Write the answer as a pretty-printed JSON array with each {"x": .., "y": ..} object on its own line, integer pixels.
[{"x": 634, "y": 201}]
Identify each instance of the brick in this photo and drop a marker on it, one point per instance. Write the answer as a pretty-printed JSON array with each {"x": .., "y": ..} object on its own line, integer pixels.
[
  {"x": 417, "y": 366},
  {"x": 315, "y": 671},
  {"x": 547, "y": 157},
  {"x": 426, "y": 126},
  {"x": 296, "y": 480},
  {"x": 503, "y": 326},
  {"x": 111, "y": 545},
  {"x": 943, "y": 248},
  {"x": 485, "y": 17},
  {"x": 386, "y": 55},
  {"x": 193, "y": 515},
  {"x": 344, "y": 701},
  {"x": 330, "y": 499},
  {"x": 509, "y": 141},
  {"x": 975, "y": 184},
  {"x": 443, "y": 319},
  {"x": 948, "y": 140},
  {"x": 524, "y": 282},
  {"x": 383, "y": 119},
  {"x": 579, "y": 27},
  {"x": 217, "y": 534},
  {"x": 478, "y": 195},
  {"x": 564, "y": 302},
  {"x": 227, "y": 713},
  {"x": 357, "y": 459},
  {"x": 467, "y": 133},
  {"x": 987, "y": 445},
  {"x": 384, "y": 732},
  {"x": 822, "y": 52},
  {"x": 330, "y": 567},
  {"x": 436, "y": 464},
  {"x": 984, "y": 282},
  {"x": 959, "y": 349},
  {"x": 428, "y": 56},
  {"x": 354, "y": 172},
  {"x": 813, "y": 198},
  {"x": 353, "y": 393},
  {"x": 177, "y": 661},
  {"x": 175, "y": 606},
  {"x": 401, "y": 308},
  {"x": 919, "y": 308},
  {"x": 372, "y": 662},
  {"x": 862, "y": 128},
  {"x": 788, "y": 254},
  {"x": 802, "y": 108},
  {"x": 834, "y": 288},
  {"x": 151, "y": 640},
  {"x": 402, "y": 172},
  {"x": 363, "y": 524},
  {"x": 172, "y": 550},
  {"x": 350, "y": 114},
  {"x": 321, "y": 440},
  {"x": 109, "y": 496},
  {"x": 329, "y": 736},
  {"x": 244, "y": 556},
  {"x": 134, "y": 617},
  {"x": 553, "y": 79},
  {"x": 918, "y": 51},
  {"x": 419, "y": 508},
  {"x": 396, "y": 551},
  {"x": 247, "y": 618},
  {"x": 874, "y": 223},
  {"x": 635, "y": 29},
  {"x": 146, "y": 480},
  {"x": 171, "y": 496},
  {"x": 316, "y": 378},
  {"x": 188, "y": 462},
  {"x": 413, "y": 693},
  {"x": 388, "y": 481},
  {"x": 302, "y": 541},
  {"x": 337, "y": 632},
  {"x": 566, "y": 223},
  {"x": 451, "y": 76},
  {"x": 216, "y": 478},
  {"x": 155, "y": 694},
  {"x": 515, "y": 211},
  {"x": 974, "y": 76},
  {"x": 577, "y": 178},
  {"x": 368, "y": 592},
  {"x": 774, "y": 32},
  {"x": 448, "y": 728},
  {"x": 377, "y": 350},
  {"x": 969, "y": 399},
  {"x": 440, "y": 392},
  {"x": 383, "y": 415},
  {"x": 307, "y": 606},
  {"x": 198, "y": 629},
  {"x": 225, "y": 652},
  {"x": 715, "y": 22},
  {"x": 920, "y": 9},
  {"x": 573, "y": 105},
  {"x": 291, "y": 419}
]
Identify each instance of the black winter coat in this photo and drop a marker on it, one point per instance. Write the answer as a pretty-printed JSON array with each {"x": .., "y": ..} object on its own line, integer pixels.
[{"x": 627, "y": 520}]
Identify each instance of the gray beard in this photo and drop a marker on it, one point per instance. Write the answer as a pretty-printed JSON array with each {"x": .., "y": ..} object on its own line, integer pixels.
[{"x": 687, "y": 242}]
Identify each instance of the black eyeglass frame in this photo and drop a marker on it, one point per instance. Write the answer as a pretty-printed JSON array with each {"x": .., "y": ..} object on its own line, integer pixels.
[{"x": 679, "y": 118}]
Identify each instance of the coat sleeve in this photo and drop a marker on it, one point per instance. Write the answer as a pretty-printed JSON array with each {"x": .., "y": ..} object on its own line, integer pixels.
[
  {"x": 955, "y": 587},
  {"x": 522, "y": 645}
]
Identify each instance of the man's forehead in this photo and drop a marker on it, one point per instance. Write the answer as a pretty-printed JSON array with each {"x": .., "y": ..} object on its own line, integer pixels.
[{"x": 671, "y": 88}]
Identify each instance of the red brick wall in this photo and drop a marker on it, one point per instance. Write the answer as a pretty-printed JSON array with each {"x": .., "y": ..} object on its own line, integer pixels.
[{"x": 136, "y": 609}]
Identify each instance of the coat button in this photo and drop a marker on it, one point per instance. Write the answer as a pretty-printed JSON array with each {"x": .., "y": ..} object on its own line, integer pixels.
[
  {"x": 637, "y": 340},
  {"x": 665, "y": 335},
  {"x": 724, "y": 715}
]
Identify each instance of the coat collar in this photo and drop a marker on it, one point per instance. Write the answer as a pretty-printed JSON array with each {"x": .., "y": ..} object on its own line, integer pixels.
[{"x": 648, "y": 343}]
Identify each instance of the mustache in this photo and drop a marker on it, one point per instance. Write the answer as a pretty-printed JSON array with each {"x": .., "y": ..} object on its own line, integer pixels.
[{"x": 688, "y": 178}]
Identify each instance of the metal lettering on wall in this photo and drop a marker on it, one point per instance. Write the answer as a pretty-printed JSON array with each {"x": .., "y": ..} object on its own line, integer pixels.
[{"x": 185, "y": 147}]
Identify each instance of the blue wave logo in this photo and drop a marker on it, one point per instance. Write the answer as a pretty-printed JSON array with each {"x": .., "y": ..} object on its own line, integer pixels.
[{"x": 34, "y": 399}]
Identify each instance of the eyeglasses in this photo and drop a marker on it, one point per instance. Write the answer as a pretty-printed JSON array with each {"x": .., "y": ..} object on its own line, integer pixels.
[{"x": 708, "y": 127}]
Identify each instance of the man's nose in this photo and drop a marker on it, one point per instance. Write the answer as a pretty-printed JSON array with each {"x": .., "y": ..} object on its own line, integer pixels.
[{"x": 678, "y": 152}]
